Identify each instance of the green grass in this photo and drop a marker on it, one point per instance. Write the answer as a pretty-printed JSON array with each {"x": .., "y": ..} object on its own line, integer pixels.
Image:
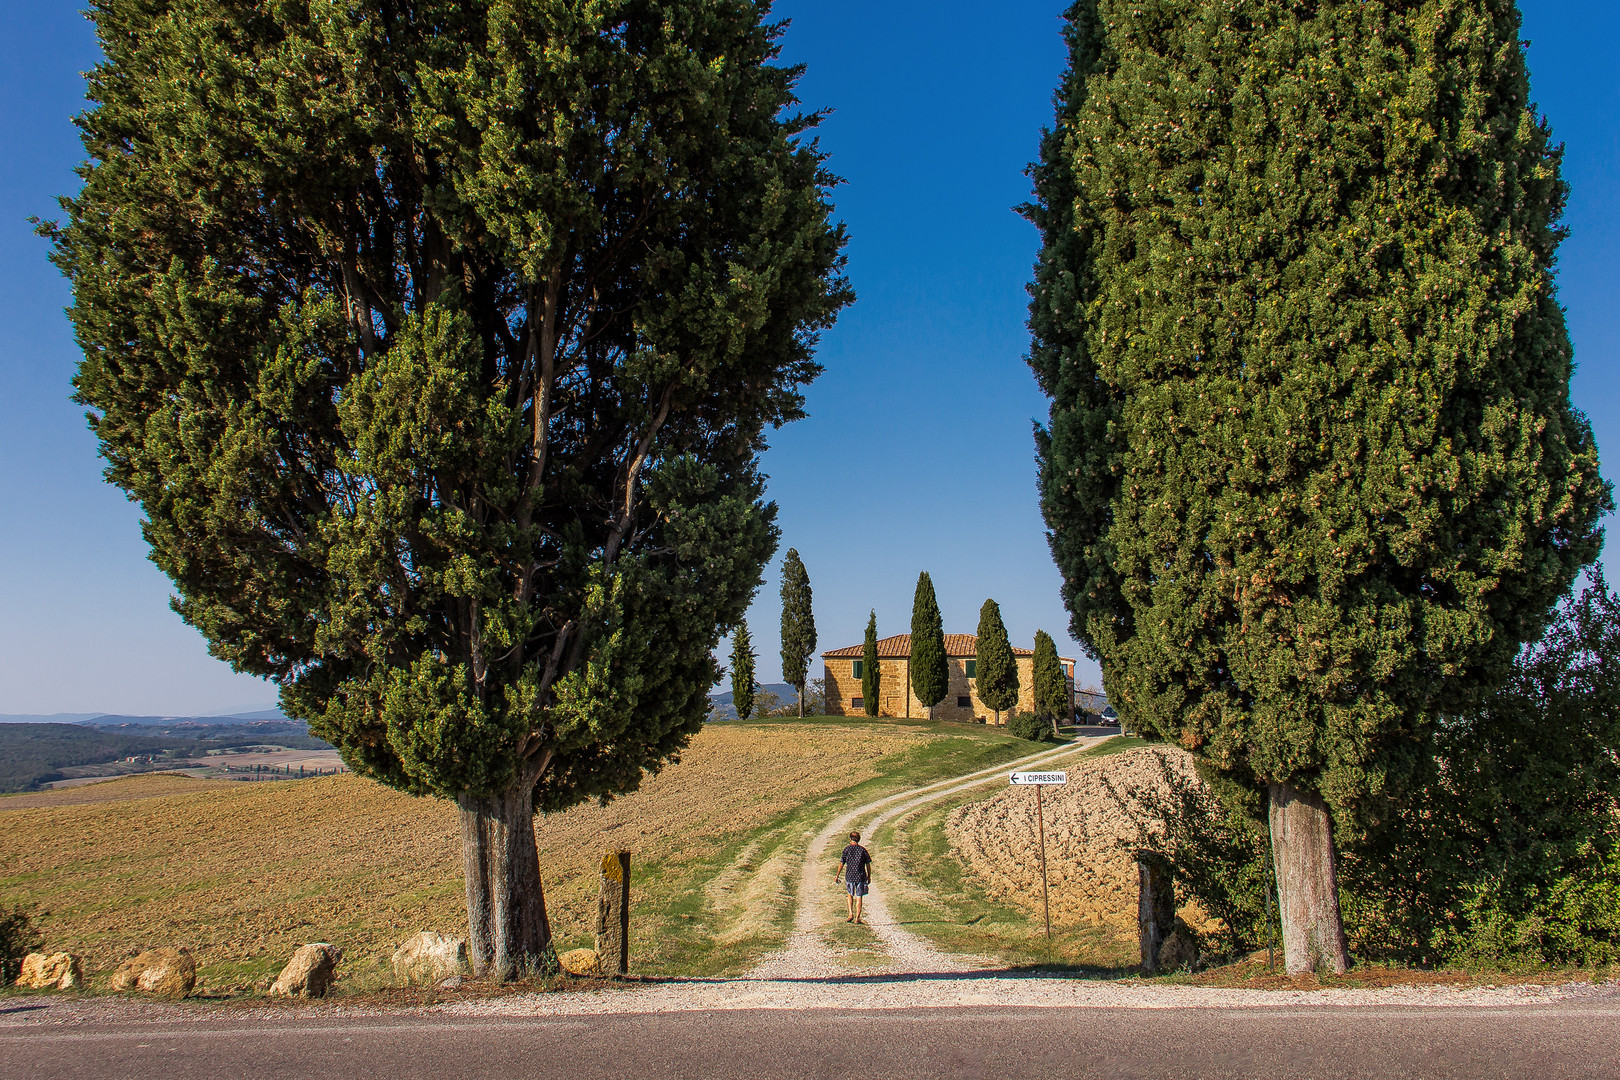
[{"x": 1115, "y": 745}]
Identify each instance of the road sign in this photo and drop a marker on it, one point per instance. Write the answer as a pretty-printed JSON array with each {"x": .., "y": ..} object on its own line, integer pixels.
[
  {"x": 1038, "y": 780},
  {"x": 1044, "y": 779}
]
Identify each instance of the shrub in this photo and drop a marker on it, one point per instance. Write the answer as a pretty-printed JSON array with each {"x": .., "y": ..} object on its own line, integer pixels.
[
  {"x": 18, "y": 938},
  {"x": 1026, "y": 725}
]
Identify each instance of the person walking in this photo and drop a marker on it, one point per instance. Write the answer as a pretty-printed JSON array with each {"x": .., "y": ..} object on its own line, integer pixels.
[{"x": 855, "y": 867}]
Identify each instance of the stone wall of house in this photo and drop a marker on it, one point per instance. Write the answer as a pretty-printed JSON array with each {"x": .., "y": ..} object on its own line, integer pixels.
[{"x": 961, "y": 701}]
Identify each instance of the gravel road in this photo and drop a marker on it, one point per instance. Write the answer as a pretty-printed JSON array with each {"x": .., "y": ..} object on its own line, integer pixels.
[{"x": 809, "y": 955}]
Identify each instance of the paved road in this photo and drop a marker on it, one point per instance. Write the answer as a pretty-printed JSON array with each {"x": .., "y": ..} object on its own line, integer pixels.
[{"x": 1544, "y": 1043}]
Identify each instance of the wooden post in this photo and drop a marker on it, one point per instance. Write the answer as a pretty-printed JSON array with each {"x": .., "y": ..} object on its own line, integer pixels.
[
  {"x": 1155, "y": 907},
  {"x": 613, "y": 914},
  {"x": 1040, "y": 824}
]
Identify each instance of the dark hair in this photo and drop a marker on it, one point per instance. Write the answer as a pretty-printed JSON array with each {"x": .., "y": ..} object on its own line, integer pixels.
[{"x": 854, "y": 836}]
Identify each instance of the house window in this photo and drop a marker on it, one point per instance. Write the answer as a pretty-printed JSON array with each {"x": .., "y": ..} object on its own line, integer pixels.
[
  {"x": 857, "y": 703},
  {"x": 857, "y": 669},
  {"x": 970, "y": 664},
  {"x": 964, "y": 703}
]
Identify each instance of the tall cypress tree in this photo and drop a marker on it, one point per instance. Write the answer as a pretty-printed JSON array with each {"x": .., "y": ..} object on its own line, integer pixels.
[
  {"x": 929, "y": 677},
  {"x": 1311, "y": 471},
  {"x": 995, "y": 672},
  {"x": 1053, "y": 702},
  {"x": 742, "y": 671},
  {"x": 798, "y": 624},
  {"x": 437, "y": 341},
  {"x": 871, "y": 680}
]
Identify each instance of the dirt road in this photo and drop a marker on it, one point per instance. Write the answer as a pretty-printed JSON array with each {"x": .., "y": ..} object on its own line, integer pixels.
[{"x": 809, "y": 954}]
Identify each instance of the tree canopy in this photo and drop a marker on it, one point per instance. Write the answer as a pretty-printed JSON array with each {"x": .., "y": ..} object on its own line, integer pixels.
[
  {"x": 871, "y": 677},
  {"x": 1053, "y": 702},
  {"x": 1311, "y": 473},
  {"x": 742, "y": 671},
  {"x": 798, "y": 624},
  {"x": 437, "y": 342},
  {"x": 930, "y": 679},
  {"x": 995, "y": 671}
]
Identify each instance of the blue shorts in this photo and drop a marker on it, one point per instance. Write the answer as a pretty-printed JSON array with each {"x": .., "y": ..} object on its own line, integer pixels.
[{"x": 855, "y": 888}]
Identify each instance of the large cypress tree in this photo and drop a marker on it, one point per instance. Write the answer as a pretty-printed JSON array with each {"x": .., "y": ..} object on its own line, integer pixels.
[
  {"x": 871, "y": 678},
  {"x": 742, "y": 671},
  {"x": 798, "y": 624},
  {"x": 995, "y": 671},
  {"x": 1053, "y": 703},
  {"x": 1311, "y": 472},
  {"x": 930, "y": 679},
  {"x": 437, "y": 341}
]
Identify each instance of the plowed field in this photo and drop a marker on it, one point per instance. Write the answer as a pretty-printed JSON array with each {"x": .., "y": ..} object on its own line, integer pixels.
[{"x": 1091, "y": 877}]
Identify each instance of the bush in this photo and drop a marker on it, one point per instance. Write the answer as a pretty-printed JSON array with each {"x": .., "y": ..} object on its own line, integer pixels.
[
  {"x": 1510, "y": 853},
  {"x": 1027, "y": 725},
  {"x": 18, "y": 938}
]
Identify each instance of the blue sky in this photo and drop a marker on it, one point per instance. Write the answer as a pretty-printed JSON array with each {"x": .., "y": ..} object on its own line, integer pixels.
[{"x": 917, "y": 454}]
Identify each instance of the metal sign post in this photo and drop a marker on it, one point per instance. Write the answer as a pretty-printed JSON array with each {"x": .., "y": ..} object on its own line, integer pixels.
[{"x": 1038, "y": 780}]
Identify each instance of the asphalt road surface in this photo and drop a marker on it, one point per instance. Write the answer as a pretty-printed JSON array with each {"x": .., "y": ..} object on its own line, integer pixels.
[{"x": 1542, "y": 1042}]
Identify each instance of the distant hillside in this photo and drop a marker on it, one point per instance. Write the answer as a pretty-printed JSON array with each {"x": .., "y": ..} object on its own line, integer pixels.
[
  {"x": 34, "y": 754},
  {"x": 105, "y": 719},
  {"x": 723, "y": 703}
]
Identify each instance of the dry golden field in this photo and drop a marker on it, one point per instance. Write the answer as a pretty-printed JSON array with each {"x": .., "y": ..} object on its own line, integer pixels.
[{"x": 245, "y": 873}]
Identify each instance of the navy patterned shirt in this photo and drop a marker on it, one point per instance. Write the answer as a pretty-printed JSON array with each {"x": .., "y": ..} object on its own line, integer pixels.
[{"x": 857, "y": 865}]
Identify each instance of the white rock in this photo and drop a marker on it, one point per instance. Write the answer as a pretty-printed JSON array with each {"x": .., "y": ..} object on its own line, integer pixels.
[
  {"x": 429, "y": 958},
  {"x": 309, "y": 972}
]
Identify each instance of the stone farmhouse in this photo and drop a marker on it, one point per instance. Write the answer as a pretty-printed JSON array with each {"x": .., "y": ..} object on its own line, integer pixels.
[{"x": 895, "y": 696}]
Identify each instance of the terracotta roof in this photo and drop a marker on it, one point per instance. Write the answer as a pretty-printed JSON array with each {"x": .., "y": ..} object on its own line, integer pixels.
[{"x": 898, "y": 647}]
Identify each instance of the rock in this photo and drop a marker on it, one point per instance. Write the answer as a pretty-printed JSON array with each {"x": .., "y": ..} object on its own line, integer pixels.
[
  {"x": 309, "y": 972},
  {"x": 165, "y": 972},
  {"x": 581, "y": 962},
  {"x": 1179, "y": 951},
  {"x": 58, "y": 971},
  {"x": 452, "y": 983},
  {"x": 429, "y": 958}
]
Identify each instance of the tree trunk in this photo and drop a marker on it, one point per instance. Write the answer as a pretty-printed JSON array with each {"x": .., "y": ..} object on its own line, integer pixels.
[
  {"x": 801, "y": 701},
  {"x": 1307, "y": 882},
  {"x": 508, "y": 934}
]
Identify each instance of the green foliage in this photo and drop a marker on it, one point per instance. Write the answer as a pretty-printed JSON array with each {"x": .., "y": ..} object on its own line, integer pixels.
[
  {"x": 1053, "y": 702},
  {"x": 930, "y": 678},
  {"x": 871, "y": 679},
  {"x": 1028, "y": 725},
  {"x": 798, "y": 624},
  {"x": 995, "y": 672},
  {"x": 437, "y": 343},
  {"x": 18, "y": 937},
  {"x": 1311, "y": 470},
  {"x": 1510, "y": 853},
  {"x": 743, "y": 686}
]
